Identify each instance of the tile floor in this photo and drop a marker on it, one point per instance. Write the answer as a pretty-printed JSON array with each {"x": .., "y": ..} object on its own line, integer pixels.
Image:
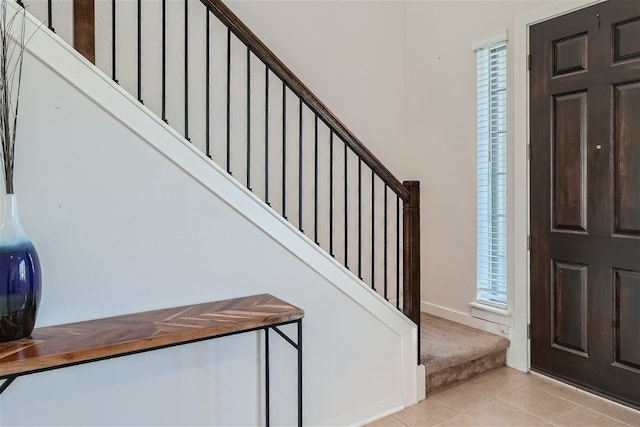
[{"x": 507, "y": 397}]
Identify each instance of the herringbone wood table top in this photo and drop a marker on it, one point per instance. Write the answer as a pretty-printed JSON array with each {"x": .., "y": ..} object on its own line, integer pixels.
[{"x": 57, "y": 346}]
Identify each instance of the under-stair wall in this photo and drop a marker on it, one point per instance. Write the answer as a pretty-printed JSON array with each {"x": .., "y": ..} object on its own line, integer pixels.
[{"x": 128, "y": 217}]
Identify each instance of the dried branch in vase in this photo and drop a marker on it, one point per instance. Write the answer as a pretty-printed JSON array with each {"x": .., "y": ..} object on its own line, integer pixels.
[{"x": 12, "y": 44}]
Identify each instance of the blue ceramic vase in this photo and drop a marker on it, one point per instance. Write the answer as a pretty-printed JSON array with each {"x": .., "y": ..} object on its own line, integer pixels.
[{"x": 20, "y": 277}]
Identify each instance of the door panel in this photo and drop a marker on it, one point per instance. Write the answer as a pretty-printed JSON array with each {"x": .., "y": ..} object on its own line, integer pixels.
[
  {"x": 569, "y": 321},
  {"x": 627, "y": 345},
  {"x": 570, "y": 54},
  {"x": 627, "y": 157},
  {"x": 569, "y": 161},
  {"x": 627, "y": 40},
  {"x": 585, "y": 198}
]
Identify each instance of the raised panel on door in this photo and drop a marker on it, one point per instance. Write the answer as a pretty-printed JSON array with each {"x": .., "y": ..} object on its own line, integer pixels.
[
  {"x": 569, "y": 307},
  {"x": 627, "y": 157},
  {"x": 627, "y": 319},
  {"x": 569, "y": 161},
  {"x": 570, "y": 54},
  {"x": 626, "y": 40}
]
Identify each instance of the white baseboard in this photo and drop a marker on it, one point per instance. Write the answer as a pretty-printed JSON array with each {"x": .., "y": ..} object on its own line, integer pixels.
[{"x": 460, "y": 317}]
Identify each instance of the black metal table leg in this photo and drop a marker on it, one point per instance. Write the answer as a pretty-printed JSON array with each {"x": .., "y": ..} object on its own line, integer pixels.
[
  {"x": 266, "y": 376},
  {"x": 7, "y": 382},
  {"x": 299, "y": 323},
  {"x": 298, "y": 346}
]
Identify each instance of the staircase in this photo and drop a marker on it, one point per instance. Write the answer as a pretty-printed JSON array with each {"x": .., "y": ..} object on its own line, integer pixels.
[
  {"x": 168, "y": 209},
  {"x": 232, "y": 98},
  {"x": 452, "y": 352}
]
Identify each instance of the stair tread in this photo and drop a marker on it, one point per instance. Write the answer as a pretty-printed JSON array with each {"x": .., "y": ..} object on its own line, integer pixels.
[{"x": 445, "y": 343}]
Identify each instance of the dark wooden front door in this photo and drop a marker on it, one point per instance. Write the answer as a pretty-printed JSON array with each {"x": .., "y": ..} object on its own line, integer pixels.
[{"x": 585, "y": 198}]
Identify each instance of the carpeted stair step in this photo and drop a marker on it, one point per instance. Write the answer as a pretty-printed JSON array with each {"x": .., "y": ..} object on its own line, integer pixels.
[{"x": 452, "y": 352}]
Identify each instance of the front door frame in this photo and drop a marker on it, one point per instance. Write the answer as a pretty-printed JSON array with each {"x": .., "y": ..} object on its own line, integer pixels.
[{"x": 521, "y": 355}]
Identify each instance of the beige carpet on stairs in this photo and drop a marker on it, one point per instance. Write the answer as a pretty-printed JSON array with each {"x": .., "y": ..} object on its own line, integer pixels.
[{"x": 453, "y": 352}]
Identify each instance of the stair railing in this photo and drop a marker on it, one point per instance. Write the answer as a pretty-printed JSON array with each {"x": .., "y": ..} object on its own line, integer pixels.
[{"x": 231, "y": 96}]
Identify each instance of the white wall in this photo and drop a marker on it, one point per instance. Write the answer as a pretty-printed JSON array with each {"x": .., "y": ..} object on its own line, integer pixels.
[{"x": 126, "y": 217}]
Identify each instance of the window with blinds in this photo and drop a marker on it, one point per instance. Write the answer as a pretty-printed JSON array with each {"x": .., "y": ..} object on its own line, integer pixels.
[{"x": 492, "y": 174}]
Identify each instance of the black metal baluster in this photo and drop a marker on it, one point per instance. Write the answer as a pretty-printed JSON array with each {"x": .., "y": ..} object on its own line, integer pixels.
[
  {"x": 397, "y": 252},
  {"x": 331, "y": 193},
  {"x": 266, "y": 135},
  {"x": 385, "y": 219},
  {"x": 373, "y": 230},
  {"x": 50, "y": 15},
  {"x": 186, "y": 70},
  {"x": 299, "y": 347},
  {"x": 113, "y": 41},
  {"x": 140, "y": 51},
  {"x": 229, "y": 101},
  {"x": 360, "y": 217},
  {"x": 284, "y": 149},
  {"x": 315, "y": 179},
  {"x": 208, "y": 88},
  {"x": 346, "y": 212},
  {"x": 248, "y": 118},
  {"x": 267, "y": 379},
  {"x": 300, "y": 166},
  {"x": 164, "y": 61}
]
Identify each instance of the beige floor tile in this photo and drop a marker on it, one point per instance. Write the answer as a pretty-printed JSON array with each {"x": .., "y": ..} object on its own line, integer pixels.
[
  {"x": 460, "y": 398},
  {"x": 610, "y": 409},
  {"x": 583, "y": 417},
  {"x": 498, "y": 383},
  {"x": 389, "y": 421},
  {"x": 506, "y": 371},
  {"x": 497, "y": 413},
  {"x": 538, "y": 402},
  {"x": 458, "y": 421},
  {"x": 426, "y": 413}
]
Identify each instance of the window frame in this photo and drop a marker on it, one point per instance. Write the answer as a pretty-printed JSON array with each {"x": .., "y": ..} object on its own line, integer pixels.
[{"x": 483, "y": 306}]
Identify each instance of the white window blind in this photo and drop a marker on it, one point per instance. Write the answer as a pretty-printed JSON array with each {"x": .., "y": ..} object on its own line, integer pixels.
[{"x": 492, "y": 174}]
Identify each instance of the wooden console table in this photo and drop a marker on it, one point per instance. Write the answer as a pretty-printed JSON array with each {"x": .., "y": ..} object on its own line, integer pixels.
[{"x": 60, "y": 346}]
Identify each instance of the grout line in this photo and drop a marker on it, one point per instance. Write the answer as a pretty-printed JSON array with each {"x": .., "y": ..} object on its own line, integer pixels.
[
  {"x": 575, "y": 404},
  {"x": 581, "y": 405},
  {"x": 400, "y": 421},
  {"x": 579, "y": 390},
  {"x": 525, "y": 411},
  {"x": 550, "y": 421},
  {"x": 585, "y": 393},
  {"x": 606, "y": 416}
]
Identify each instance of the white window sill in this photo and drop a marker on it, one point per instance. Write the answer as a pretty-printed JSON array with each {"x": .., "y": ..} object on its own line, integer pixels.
[{"x": 491, "y": 314}]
